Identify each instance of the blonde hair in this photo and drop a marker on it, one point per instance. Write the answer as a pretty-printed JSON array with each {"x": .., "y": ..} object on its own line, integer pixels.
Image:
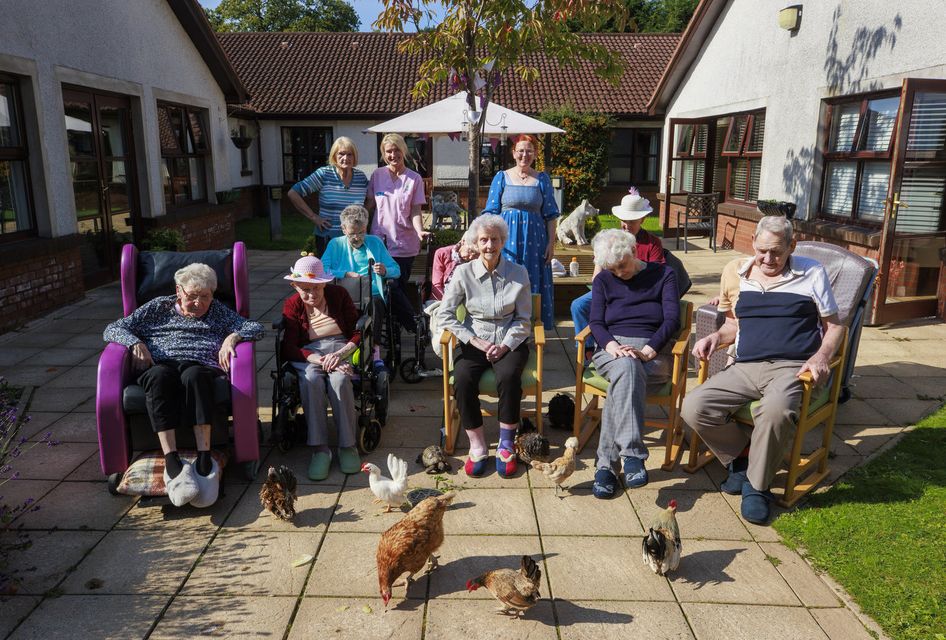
[
  {"x": 396, "y": 140},
  {"x": 340, "y": 143}
]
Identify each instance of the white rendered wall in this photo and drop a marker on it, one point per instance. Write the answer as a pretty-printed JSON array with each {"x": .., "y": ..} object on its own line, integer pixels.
[
  {"x": 138, "y": 49},
  {"x": 842, "y": 47}
]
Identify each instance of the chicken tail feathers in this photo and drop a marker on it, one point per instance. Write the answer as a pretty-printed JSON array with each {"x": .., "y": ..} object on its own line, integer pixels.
[
  {"x": 530, "y": 569},
  {"x": 398, "y": 469}
]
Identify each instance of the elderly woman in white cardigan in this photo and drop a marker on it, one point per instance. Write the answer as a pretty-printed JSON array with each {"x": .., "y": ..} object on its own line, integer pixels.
[{"x": 494, "y": 335}]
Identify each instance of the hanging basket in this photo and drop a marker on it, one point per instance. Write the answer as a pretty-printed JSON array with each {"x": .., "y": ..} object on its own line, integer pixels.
[
  {"x": 242, "y": 142},
  {"x": 777, "y": 208}
]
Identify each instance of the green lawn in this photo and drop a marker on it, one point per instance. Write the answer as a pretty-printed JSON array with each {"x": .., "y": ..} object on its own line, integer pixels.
[
  {"x": 255, "y": 232},
  {"x": 881, "y": 533},
  {"x": 651, "y": 223}
]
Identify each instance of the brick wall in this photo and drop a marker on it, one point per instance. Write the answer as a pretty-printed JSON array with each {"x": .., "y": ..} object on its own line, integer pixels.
[
  {"x": 37, "y": 276},
  {"x": 206, "y": 227}
]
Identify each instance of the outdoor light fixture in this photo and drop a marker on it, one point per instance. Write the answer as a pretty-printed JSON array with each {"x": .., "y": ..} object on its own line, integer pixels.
[
  {"x": 556, "y": 182},
  {"x": 472, "y": 117},
  {"x": 790, "y": 17}
]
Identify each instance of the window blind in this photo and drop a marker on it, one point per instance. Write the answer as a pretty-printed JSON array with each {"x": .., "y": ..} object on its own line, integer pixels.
[
  {"x": 881, "y": 117},
  {"x": 839, "y": 188},
  {"x": 922, "y": 189},
  {"x": 927, "y": 124},
  {"x": 844, "y": 126},
  {"x": 873, "y": 191},
  {"x": 758, "y": 133}
]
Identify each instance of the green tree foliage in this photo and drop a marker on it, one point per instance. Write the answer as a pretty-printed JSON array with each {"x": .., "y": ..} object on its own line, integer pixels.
[
  {"x": 283, "y": 15},
  {"x": 580, "y": 155},
  {"x": 651, "y": 16},
  {"x": 477, "y": 42}
]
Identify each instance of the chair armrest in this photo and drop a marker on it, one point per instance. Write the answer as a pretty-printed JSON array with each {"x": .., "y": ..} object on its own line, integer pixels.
[
  {"x": 583, "y": 334},
  {"x": 279, "y": 324},
  {"x": 539, "y": 332},
  {"x": 833, "y": 365},
  {"x": 114, "y": 372},
  {"x": 243, "y": 398},
  {"x": 446, "y": 337}
]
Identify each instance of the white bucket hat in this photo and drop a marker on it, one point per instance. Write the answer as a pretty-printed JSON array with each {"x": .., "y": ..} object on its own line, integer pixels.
[{"x": 632, "y": 207}]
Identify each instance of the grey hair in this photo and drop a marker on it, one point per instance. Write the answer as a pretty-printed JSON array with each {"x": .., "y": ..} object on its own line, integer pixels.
[
  {"x": 354, "y": 215},
  {"x": 196, "y": 275},
  {"x": 776, "y": 225},
  {"x": 469, "y": 238},
  {"x": 485, "y": 222},
  {"x": 612, "y": 246}
]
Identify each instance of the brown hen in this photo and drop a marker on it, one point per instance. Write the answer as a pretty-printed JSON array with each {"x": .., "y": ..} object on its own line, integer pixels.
[
  {"x": 515, "y": 590},
  {"x": 410, "y": 544},
  {"x": 278, "y": 493}
]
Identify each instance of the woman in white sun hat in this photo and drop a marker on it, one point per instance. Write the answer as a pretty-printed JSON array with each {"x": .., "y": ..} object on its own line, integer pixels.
[
  {"x": 320, "y": 336},
  {"x": 631, "y": 212}
]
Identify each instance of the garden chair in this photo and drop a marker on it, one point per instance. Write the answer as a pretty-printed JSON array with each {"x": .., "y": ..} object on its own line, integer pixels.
[
  {"x": 121, "y": 417},
  {"x": 851, "y": 277},
  {"x": 699, "y": 215},
  {"x": 531, "y": 377},
  {"x": 669, "y": 395}
]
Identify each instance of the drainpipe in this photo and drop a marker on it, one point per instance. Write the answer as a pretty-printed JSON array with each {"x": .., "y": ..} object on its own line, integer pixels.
[{"x": 261, "y": 193}]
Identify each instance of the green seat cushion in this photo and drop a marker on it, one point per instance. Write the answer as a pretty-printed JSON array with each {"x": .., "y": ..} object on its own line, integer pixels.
[
  {"x": 819, "y": 398},
  {"x": 529, "y": 375},
  {"x": 593, "y": 379}
]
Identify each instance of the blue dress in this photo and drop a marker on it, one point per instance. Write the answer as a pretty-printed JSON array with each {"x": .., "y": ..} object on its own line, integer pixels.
[{"x": 527, "y": 209}]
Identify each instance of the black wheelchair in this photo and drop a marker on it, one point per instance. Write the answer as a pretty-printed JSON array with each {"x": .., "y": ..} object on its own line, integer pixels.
[
  {"x": 371, "y": 383},
  {"x": 414, "y": 370}
]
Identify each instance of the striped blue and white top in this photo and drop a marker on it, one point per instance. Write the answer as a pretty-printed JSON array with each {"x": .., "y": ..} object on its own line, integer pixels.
[
  {"x": 783, "y": 322},
  {"x": 333, "y": 195}
]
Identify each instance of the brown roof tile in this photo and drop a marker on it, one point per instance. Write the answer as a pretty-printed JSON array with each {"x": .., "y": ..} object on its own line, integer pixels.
[{"x": 363, "y": 75}]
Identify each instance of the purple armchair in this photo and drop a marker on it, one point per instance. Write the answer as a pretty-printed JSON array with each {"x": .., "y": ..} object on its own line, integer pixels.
[{"x": 122, "y": 421}]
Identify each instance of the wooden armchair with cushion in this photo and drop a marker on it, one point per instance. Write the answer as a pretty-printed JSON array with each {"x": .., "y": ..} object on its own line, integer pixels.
[{"x": 531, "y": 377}]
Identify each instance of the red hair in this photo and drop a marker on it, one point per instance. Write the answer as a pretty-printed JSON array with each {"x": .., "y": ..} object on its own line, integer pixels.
[{"x": 525, "y": 137}]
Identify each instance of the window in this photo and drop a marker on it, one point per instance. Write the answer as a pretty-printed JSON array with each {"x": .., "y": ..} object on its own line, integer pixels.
[
  {"x": 184, "y": 153},
  {"x": 742, "y": 148},
  {"x": 689, "y": 157},
  {"x": 16, "y": 214},
  {"x": 857, "y": 158},
  {"x": 634, "y": 156},
  {"x": 304, "y": 149},
  {"x": 419, "y": 154}
]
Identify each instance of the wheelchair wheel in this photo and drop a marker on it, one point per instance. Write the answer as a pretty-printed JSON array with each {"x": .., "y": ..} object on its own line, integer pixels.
[
  {"x": 369, "y": 434},
  {"x": 282, "y": 434},
  {"x": 409, "y": 371},
  {"x": 112, "y": 482}
]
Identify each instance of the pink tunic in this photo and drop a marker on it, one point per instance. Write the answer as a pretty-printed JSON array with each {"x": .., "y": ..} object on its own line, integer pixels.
[{"x": 394, "y": 200}]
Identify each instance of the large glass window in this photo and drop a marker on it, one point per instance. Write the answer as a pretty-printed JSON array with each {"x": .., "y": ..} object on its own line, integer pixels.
[
  {"x": 634, "y": 156},
  {"x": 857, "y": 158},
  {"x": 184, "y": 154},
  {"x": 16, "y": 214},
  {"x": 689, "y": 157},
  {"x": 304, "y": 149},
  {"x": 742, "y": 148}
]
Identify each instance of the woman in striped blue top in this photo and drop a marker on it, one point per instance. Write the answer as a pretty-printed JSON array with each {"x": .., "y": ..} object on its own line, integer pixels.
[{"x": 338, "y": 184}]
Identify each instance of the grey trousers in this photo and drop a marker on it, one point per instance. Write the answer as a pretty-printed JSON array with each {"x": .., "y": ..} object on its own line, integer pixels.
[
  {"x": 622, "y": 420},
  {"x": 708, "y": 409},
  {"x": 315, "y": 386}
]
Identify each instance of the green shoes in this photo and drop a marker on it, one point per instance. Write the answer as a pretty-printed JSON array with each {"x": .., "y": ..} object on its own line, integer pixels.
[
  {"x": 318, "y": 467},
  {"x": 348, "y": 460}
]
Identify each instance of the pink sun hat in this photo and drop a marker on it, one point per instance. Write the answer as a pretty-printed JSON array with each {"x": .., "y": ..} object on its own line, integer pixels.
[{"x": 308, "y": 269}]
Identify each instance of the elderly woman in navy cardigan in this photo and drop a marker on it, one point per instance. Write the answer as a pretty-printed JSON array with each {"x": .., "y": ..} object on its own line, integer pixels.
[{"x": 635, "y": 312}]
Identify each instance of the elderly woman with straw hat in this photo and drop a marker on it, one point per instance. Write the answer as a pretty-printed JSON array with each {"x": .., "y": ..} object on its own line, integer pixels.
[
  {"x": 631, "y": 212},
  {"x": 320, "y": 337}
]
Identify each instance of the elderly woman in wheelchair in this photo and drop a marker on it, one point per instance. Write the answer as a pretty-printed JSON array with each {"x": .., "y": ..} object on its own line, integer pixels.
[
  {"x": 320, "y": 337},
  {"x": 180, "y": 344},
  {"x": 635, "y": 313},
  {"x": 358, "y": 255},
  {"x": 493, "y": 335}
]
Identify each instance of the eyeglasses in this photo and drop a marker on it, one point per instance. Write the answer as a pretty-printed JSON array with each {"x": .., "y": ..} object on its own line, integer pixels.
[
  {"x": 524, "y": 152},
  {"x": 308, "y": 291},
  {"x": 195, "y": 296}
]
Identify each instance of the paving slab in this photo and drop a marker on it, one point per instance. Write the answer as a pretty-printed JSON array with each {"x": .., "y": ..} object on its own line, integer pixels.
[
  {"x": 477, "y": 620},
  {"x": 77, "y": 505},
  {"x": 314, "y": 507},
  {"x": 345, "y": 566},
  {"x": 581, "y": 514},
  {"x": 39, "y": 560},
  {"x": 733, "y": 572},
  {"x": 499, "y": 512},
  {"x": 801, "y": 577},
  {"x": 357, "y": 619},
  {"x": 244, "y": 563},
  {"x": 15, "y": 608},
  {"x": 604, "y": 620},
  {"x": 63, "y": 399},
  {"x": 45, "y": 462},
  {"x": 137, "y": 562},
  {"x": 71, "y": 427},
  {"x": 169, "y": 519},
  {"x": 841, "y": 624},
  {"x": 92, "y": 616},
  {"x": 699, "y": 514},
  {"x": 726, "y": 622},
  {"x": 586, "y": 568},
  {"x": 225, "y": 617}
]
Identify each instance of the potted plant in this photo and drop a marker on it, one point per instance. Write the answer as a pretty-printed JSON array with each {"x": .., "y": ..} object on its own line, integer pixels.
[
  {"x": 776, "y": 208},
  {"x": 164, "y": 239}
]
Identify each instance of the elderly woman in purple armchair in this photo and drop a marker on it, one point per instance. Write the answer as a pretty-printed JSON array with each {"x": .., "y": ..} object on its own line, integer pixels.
[{"x": 179, "y": 344}]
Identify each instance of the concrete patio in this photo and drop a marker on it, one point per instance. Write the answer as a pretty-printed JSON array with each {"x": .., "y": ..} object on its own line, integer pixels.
[{"x": 101, "y": 566}]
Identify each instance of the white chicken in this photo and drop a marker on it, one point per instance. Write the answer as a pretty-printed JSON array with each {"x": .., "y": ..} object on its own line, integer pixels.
[{"x": 388, "y": 491}]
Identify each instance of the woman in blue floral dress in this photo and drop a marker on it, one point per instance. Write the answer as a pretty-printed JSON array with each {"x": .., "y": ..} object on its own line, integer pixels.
[{"x": 524, "y": 198}]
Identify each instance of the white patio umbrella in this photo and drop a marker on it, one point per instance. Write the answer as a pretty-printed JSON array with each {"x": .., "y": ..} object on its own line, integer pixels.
[{"x": 451, "y": 115}]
